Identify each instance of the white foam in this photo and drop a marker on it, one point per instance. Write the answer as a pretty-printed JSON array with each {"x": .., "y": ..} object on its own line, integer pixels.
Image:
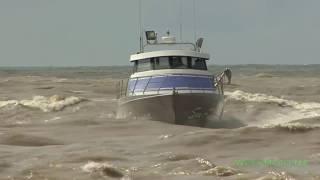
[
  {"x": 105, "y": 169},
  {"x": 91, "y": 166},
  {"x": 276, "y": 176},
  {"x": 258, "y": 97},
  {"x": 221, "y": 171},
  {"x": 165, "y": 136},
  {"x": 205, "y": 163},
  {"x": 8, "y": 103},
  {"x": 78, "y": 91},
  {"x": 294, "y": 127},
  {"x": 46, "y": 104}
]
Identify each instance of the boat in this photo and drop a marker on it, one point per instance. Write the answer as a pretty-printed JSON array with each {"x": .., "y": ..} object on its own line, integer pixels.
[{"x": 172, "y": 84}]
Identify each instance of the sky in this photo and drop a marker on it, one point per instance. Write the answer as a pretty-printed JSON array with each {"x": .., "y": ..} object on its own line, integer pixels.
[{"x": 106, "y": 32}]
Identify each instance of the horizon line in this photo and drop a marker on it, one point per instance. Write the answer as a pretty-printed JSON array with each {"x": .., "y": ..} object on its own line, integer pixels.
[{"x": 93, "y": 66}]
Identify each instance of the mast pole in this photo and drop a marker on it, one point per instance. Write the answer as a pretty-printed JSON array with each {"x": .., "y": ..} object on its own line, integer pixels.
[
  {"x": 140, "y": 28},
  {"x": 194, "y": 21},
  {"x": 180, "y": 2}
]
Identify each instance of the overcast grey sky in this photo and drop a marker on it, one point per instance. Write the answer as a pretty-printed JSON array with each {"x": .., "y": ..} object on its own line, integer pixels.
[{"x": 105, "y": 32}]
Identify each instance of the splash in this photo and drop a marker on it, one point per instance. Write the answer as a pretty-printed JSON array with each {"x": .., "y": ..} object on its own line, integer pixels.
[{"x": 46, "y": 104}]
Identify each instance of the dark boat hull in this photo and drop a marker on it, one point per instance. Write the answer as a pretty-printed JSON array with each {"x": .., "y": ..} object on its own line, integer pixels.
[{"x": 185, "y": 109}]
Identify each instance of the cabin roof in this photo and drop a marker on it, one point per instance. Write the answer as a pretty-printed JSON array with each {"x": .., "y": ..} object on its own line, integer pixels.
[{"x": 162, "y": 53}]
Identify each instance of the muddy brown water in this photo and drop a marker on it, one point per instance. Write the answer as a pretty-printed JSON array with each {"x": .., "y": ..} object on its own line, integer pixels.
[{"x": 60, "y": 124}]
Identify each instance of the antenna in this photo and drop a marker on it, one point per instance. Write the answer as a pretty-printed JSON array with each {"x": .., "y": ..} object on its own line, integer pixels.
[
  {"x": 194, "y": 20},
  {"x": 140, "y": 28},
  {"x": 180, "y": 2}
]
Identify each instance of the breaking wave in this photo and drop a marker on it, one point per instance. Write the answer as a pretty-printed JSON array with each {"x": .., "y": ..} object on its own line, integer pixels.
[
  {"x": 258, "y": 97},
  {"x": 290, "y": 110},
  {"x": 104, "y": 168},
  {"x": 46, "y": 104},
  {"x": 221, "y": 171}
]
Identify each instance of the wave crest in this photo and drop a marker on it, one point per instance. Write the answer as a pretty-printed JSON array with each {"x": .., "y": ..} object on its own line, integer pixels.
[
  {"x": 264, "y": 98},
  {"x": 104, "y": 168},
  {"x": 46, "y": 104},
  {"x": 221, "y": 171},
  {"x": 293, "y": 127},
  {"x": 312, "y": 108},
  {"x": 267, "y": 110}
]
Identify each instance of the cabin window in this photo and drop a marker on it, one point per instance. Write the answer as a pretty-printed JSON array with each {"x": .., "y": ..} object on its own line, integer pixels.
[
  {"x": 143, "y": 65},
  {"x": 162, "y": 63},
  {"x": 198, "y": 63},
  {"x": 173, "y": 62},
  {"x": 179, "y": 63}
]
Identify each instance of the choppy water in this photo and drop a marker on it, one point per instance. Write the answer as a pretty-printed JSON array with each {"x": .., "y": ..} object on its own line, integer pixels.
[{"x": 59, "y": 123}]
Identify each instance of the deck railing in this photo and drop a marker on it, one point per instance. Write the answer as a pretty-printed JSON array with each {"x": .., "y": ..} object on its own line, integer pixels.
[
  {"x": 219, "y": 80},
  {"x": 123, "y": 88}
]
